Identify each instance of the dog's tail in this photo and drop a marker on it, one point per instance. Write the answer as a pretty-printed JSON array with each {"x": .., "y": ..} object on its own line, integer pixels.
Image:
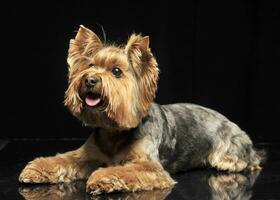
[{"x": 262, "y": 155}]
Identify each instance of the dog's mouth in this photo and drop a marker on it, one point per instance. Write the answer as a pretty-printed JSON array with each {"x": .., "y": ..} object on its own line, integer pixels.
[{"x": 93, "y": 99}]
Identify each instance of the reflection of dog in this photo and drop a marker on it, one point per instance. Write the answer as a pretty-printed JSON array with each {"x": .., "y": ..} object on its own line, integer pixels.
[
  {"x": 111, "y": 88},
  {"x": 76, "y": 190},
  {"x": 196, "y": 185},
  {"x": 232, "y": 186}
]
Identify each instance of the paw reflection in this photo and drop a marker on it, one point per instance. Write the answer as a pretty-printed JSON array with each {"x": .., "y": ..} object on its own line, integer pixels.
[
  {"x": 143, "y": 195},
  {"x": 213, "y": 185},
  {"x": 204, "y": 184},
  {"x": 77, "y": 191},
  {"x": 232, "y": 186}
]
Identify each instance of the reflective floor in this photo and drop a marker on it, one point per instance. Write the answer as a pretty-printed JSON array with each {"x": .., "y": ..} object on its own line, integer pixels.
[{"x": 197, "y": 184}]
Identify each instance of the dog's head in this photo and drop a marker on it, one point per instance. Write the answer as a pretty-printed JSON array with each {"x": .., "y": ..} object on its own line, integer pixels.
[{"x": 110, "y": 86}]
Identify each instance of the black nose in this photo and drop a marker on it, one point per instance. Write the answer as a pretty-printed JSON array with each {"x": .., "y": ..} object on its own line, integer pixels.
[{"x": 91, "y": 81}]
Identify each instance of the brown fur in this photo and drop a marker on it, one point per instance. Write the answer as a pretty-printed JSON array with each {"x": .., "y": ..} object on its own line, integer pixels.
[
  {"x": 133, "y": 176},
  {"x": 60, "y": 168},
  {"x": 128, "y": 102},
  {"x": 137, "y": 172}
]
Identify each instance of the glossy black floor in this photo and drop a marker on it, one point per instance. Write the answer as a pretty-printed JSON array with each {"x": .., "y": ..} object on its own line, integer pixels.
[{"x": 197, "y": 184}]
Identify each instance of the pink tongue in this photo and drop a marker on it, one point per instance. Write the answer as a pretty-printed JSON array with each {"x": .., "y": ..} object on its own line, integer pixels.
[{"x": 92, "y": 102}]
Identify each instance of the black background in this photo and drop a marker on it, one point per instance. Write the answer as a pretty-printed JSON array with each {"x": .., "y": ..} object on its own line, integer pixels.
[{"x": 219, "y": 54}]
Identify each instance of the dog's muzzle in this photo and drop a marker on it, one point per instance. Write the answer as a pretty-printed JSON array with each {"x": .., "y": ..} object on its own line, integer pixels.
[{"x": 92, "y": 91}]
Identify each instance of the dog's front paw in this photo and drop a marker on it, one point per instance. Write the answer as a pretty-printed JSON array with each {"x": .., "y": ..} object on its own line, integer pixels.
[
  {"x": 36, "y": 171},
  {"x": 129, "y": 178},
  {"x": 110, "y": 183},
  {"x": 32, "y": 175}
]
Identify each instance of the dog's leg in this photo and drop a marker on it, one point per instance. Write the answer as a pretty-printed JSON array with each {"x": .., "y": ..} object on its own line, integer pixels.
[
  {"x": 140, "y": 171},
  {"x": 235, "y": 152},
  {"x": 133, "y": 176},
  {"x": 64, "y": 167}
]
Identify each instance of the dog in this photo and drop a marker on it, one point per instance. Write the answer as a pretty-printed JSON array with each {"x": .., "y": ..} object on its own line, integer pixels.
[{"x": 136, "y": 143}]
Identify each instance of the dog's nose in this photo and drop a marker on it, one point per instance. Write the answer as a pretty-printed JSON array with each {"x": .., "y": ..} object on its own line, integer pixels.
[{"x": 91, "y": 81}]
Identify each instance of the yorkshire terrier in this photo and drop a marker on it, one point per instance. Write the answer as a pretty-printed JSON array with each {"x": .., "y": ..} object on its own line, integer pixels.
[{"x": 135, "y": 143}]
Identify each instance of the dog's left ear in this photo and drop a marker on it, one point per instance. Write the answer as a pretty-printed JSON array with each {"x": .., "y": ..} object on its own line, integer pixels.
[{"x": 145, "y": 67}]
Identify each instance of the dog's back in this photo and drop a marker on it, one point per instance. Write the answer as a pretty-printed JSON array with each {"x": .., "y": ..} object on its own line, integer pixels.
[{"x": 194, "y": 136}]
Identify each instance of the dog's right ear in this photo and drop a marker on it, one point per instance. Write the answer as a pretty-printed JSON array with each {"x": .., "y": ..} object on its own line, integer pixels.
[{"x": 84, "y": 44}]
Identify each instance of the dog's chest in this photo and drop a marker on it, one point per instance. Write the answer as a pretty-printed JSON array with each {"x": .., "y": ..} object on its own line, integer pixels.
[{"x": 112, "y": 149}]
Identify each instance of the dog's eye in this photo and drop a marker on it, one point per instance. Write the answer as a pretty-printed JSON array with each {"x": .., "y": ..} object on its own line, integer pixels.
[
  {"x": 117, "y": 72},
  {"x": 91, "y": 65}
]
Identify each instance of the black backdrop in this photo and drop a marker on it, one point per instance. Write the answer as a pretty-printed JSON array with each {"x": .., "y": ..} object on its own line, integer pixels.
[{"x": 220, "y": 54}]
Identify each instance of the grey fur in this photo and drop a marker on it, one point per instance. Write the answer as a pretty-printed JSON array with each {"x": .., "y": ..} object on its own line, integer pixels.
[{"x": 184, "y": 135}]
